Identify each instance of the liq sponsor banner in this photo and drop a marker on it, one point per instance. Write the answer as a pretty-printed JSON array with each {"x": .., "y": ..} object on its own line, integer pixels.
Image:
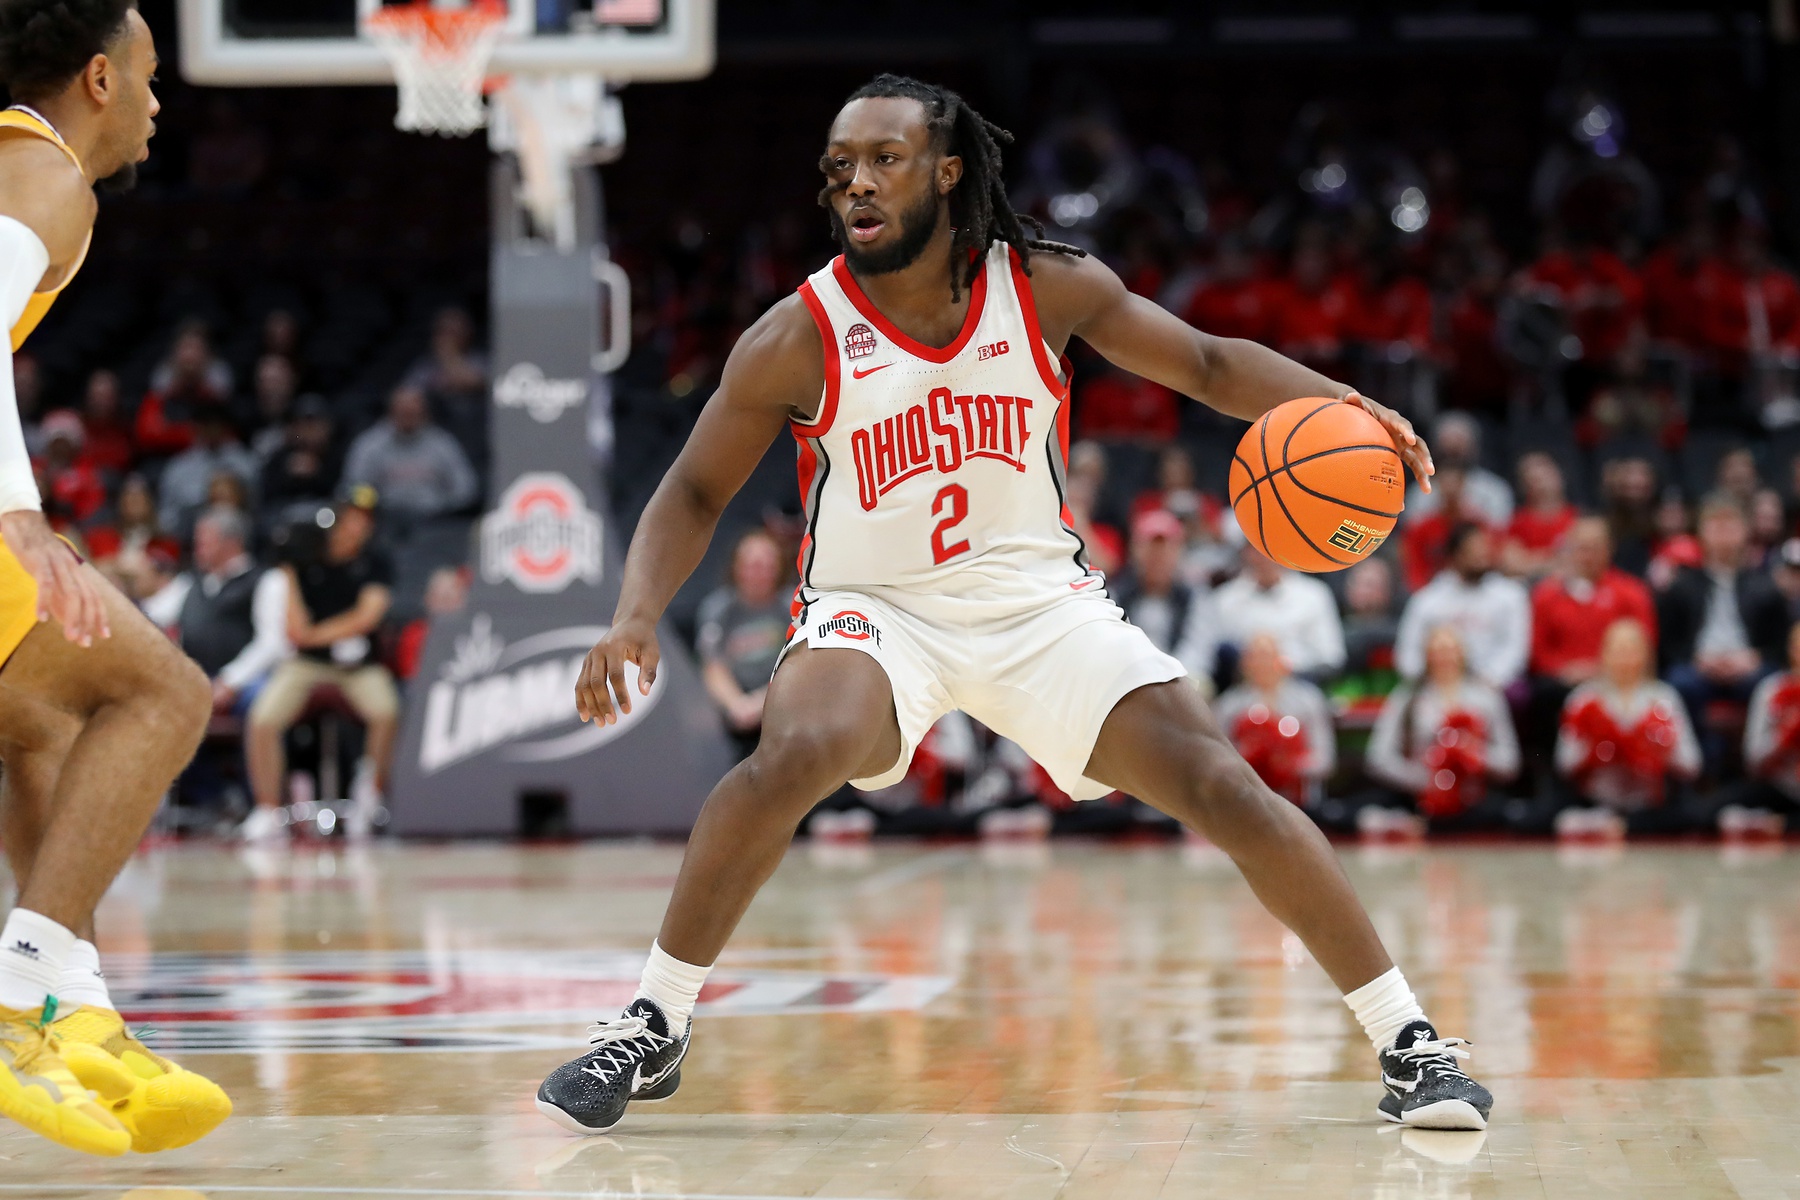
[{"x": 490, "y": 719}]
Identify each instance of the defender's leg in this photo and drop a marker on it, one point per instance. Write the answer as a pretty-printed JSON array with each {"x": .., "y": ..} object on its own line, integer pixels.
[
  {"x": 1162, "y": 745},
  {"x": 829, "y": 719}
]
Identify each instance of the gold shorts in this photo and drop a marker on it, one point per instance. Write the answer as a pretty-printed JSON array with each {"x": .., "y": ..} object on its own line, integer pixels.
[{"x": 18, "y": 603}]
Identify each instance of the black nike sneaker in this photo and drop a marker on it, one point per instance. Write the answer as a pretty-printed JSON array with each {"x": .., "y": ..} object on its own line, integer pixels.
[
  {"x": 1425, "y": 1087},
  {"x": 633, "y": 1059}
]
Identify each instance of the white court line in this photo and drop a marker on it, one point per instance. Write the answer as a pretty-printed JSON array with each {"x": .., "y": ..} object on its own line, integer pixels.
[{"x": 327, "y": 1190}]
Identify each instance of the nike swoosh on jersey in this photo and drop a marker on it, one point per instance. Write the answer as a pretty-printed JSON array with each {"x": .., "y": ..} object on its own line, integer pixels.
[{"x": 860, "y": 373}]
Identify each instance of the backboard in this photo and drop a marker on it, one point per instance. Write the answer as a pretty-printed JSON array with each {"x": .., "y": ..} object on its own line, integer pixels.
[{"x": 254, "y": 43}]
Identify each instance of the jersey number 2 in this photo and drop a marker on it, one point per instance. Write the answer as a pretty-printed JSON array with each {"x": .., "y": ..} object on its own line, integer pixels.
[{"x": 952, "y": 501}]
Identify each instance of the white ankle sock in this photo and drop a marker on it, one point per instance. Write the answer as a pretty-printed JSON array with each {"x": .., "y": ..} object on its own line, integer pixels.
[
  {"x": 83, "y": 982},
  {"x": 673, "y": 984},
  {"x": 1383, "y": 1005},
  {"x": 33, "y": 949}
]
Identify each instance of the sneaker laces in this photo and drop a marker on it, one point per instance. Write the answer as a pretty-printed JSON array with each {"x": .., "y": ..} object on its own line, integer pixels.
[
  {"x": 615, "y": 1041},
  {"x": 34, "y": 1041},
  {"x": 1439, "y": 1055}
]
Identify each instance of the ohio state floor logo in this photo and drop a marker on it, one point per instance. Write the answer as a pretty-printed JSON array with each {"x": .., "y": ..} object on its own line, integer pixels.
[
  {"x": 384, "y": 1001},
  {"x": 541, "y": 535}
]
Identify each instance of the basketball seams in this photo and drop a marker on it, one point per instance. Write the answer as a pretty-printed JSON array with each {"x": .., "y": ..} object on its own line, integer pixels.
[
  {"x": 1275, "y": 487},
  {"x": 1295, "y": 480}
]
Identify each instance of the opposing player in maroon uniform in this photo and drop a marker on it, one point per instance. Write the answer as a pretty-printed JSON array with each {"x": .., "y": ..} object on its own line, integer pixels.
[{"x": 921, "y": 375}]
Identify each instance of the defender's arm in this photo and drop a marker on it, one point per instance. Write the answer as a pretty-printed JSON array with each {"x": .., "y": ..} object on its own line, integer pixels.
[
  {"x": 775, "y": 372},
  {"x": 1082, "y": 297}
]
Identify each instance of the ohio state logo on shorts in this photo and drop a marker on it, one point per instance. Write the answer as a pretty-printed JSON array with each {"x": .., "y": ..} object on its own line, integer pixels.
[
  {"x": 852, "y": 625},
  {"x": 859, "y": 341},
  {"x": 541, "y": 535}
]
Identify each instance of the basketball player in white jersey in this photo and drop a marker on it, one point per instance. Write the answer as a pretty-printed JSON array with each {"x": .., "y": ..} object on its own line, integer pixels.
[
  {"x": 922, "y": 375},
  {"x": 98, "y": 710}
]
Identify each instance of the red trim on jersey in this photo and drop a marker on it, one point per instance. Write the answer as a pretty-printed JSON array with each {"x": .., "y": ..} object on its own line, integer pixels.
[
  {"x": 1040, "y": 353},
  {"x": 807, "y": 464},
  {"x": 827, "y": 408},
  {"x": 936, "y": 354}
]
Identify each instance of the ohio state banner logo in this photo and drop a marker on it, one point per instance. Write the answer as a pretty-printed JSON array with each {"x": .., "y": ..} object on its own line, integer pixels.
[{"x": 541, "y": 535}]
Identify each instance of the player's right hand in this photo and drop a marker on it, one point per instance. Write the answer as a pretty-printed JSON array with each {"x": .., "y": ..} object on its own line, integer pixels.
[
  {"x": 66, "y": 593},
  {"x": 629, "y": 641}
]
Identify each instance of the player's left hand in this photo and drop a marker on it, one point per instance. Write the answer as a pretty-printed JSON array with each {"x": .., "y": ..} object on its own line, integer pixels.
[{"x": 1411, "y": 447}]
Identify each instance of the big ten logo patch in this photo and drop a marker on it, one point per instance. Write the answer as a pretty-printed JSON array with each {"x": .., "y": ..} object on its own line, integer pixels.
[
  {"x": 859, "y": 341},
  {"x": 992, "y": 350},
  {"x": 852, "y": 625},
  {"x": 1356, "y": 539}
]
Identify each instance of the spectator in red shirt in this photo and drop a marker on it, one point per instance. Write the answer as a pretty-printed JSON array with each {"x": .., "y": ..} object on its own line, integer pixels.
[
  {"x": 1234, "y": 302},
  {"x": 76, "y": 491},
  {"x": 190, "y": 379},
  {"x": 1537, "y": 525},
  {"x": 1423, "y": 539},
  {"x": 1306, "y": 312},
  {"x": 1116, "y": 404},
  {"x": 1570, "y": 614},
  {"x": 1480, "y": 376},
  {"x": 107, "y": 443},
  {"x": 1383, "y": 306},
  {"x": 1673, "y": 310},
  {"x": 1603, "y": 297},
  {"x": 1749, "y": 307}
]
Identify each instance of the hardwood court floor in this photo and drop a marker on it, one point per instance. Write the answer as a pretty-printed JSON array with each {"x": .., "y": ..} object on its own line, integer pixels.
[{"x": 1068, "y": 1021}]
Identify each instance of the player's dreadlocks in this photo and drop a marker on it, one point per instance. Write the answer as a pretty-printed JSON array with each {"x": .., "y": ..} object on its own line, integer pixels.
[
  {"x": 46, "y": 43},
  {"x": 980, "y": 211}
]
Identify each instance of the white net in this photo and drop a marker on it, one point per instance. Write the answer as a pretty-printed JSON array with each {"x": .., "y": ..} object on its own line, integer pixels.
[{"x": 440, "y": 58}]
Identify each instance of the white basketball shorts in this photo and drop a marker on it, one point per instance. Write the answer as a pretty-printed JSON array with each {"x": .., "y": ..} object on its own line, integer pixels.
[{"x": 1047, "y": 677}]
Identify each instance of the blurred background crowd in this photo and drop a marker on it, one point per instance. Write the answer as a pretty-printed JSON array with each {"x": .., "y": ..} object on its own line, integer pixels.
[{"x": 1568, "y": 267}]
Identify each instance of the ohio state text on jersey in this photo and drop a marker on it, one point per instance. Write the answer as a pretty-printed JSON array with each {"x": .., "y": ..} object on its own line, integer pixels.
[{"x": 938, "y": 469}]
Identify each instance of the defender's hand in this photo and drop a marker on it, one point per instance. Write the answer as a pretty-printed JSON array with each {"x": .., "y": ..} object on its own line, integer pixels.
[
  {"x": 1411, "y": 447},
  {"x": 628, "y": 641},
  {"x": 66, "y": 593}
]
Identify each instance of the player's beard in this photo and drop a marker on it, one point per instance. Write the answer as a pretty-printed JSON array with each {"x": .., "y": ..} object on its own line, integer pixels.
[
  {"x": 917, "y": 227},
  {"x": 121, "y": 180}
]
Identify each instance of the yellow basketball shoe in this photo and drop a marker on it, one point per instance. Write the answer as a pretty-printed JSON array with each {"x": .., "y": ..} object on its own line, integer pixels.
[
  {"x": 162, "y": 1105},
  {"x": 38, "y": 1090}
]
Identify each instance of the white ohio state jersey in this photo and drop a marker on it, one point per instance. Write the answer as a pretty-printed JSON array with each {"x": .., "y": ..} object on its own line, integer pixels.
[{"x": 939, "y": 470}]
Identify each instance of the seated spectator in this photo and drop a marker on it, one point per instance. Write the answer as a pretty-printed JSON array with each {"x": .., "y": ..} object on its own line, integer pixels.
[
  {"x": 742, "y": 628},
  {"x": 1370, "y": 627},
  {"x": 1387, "y": 310},
  {"x": 1083, "y": 492},
  {"x": 1177, "y": 618},
  {"x": 1771, "y": 750},
  {"x": 1480, "y": 375},
  {"x": 1425, "y": 537},
  {"x": 1784, "y": 569},
  {"x": 1768, "y": 525},
  {"x": 267, "y": 410},
  {"x": 417, "y": 468},
  {"x": 1280, "y": 724},
  {"x": 129, "y": 550},
  {"x": 1306, "y": 313},
  {"x": 1673, "y": 544},
  {"x": 1748, "y": 306},
  {"x": 1442, "y": 742},
  {"x": 1628, "y": 499},
  {"x": 1456, "y": 442},
  {"x": 190, "y": 381},
  {"x": 228, "y": 615},
  {"x": 1298, "y": 609},
  {"x": 1570, "y": 613},
  {"x": 1538, "y": 524},
  {"x": 1490, "y": 611},
  {"x": 1603, "y": 297},
  {"x": 75, "y": 492},
  {"x": 454, "y": 377},
  {"x": 306, "y": 467},
  {"x": 335, "y": 606},
  {"x": 1735, "y": 476},
  {"x": 1175, "y": 491},
  {"x": 28, "y": 392},
  {"x": 1233, "y": 302},
  {"x": 106, "y": 441},
  {"x": 446, "y": 592},
  {"x": 1625, "y": 745},
  {"x": 1672, "y": 306},
  {"x": 188, "y": 477},
  {"x": 1724, "y": 624},
  {"x": 1112, "y": 403}
]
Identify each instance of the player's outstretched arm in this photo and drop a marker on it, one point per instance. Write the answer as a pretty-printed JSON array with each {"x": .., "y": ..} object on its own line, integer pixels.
[
  {"x": 775, "y": 372},
  {"x": 1082, "y": 297}
]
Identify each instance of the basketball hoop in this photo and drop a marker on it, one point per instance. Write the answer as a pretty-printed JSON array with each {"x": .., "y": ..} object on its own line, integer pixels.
[{"x": 440, "y": 57}]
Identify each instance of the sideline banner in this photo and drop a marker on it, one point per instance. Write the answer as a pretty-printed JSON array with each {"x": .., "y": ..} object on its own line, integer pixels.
[{"x": 490, "y": 718}]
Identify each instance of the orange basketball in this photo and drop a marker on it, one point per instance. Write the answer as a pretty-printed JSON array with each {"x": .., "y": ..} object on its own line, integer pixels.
[{"x": 1317, "y": 484}]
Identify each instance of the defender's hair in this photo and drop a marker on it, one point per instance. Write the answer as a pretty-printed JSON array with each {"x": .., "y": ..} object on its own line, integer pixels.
[
  {"x": 46, "y": 43},
  {"x": 980, "y": 212}
]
